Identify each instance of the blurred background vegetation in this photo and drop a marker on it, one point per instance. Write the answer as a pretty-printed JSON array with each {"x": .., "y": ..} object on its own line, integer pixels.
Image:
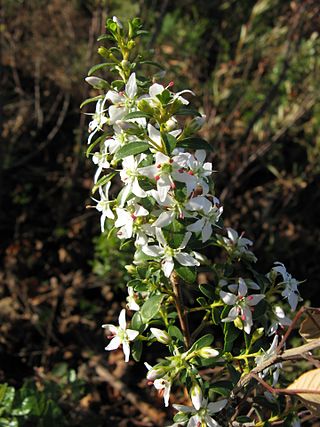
[{"x": 254, "y": 66}]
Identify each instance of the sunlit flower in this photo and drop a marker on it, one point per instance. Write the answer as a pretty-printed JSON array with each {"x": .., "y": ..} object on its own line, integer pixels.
[
  {"x": 210, "y": 214},
  {"x": 123, "y": 102},
  {"x": 167, "y": 254},
  {"x": 99, "y": 119},
  {"x": 202, "y": 417},
  {"x": 103, "y": 205},
  {"x": 120, "y": 335},
  {"x": 242, "y": 305},
  {"x": 163, "y": 385},
  {"x": 127, "y": 217},
  {"x": 129, "y": 175}
]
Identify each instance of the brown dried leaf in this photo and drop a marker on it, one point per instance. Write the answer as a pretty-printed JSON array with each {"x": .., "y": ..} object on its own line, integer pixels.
[
  {"x": 310, "y": 327},
  {"x": 308, "y": 381}
]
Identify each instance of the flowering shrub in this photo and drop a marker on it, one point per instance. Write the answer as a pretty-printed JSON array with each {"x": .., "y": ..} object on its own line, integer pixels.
[{"x": 143, "y": 135}]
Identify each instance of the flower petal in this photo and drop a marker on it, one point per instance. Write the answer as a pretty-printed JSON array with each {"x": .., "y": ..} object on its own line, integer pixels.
[
  {"x": 113, "y": 344},
  {"x": 122, "y": 319}
]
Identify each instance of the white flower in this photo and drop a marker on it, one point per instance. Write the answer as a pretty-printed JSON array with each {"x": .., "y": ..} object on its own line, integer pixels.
[
  {"x": 99, "y": 119},
  {"x": 195, "y": 173},
  {"x": 291, "y": 286},
  {"x": 103, "y": 205},
  {"x": 123, "y": 102},
  {"x": 120, "y": 335},
  {"x": 279, "y": 320},
  {"x": 127, "y": 217},
  {"x": 210, "y": 214},
  {"x": 131, "y": 301},
  {"x": 100, "y": 158},
  {"x": 173, "y": 209},
  {"x": 157, "y": 89},
  {"x": 129, "y": 175},
  {"x": 238, "y": 245},
  {"x": 202, "y": 416},
  {"x": 167, "y": 254},
  {"x": 274, "y": 369},
  {"x": 242, "y": 305},
  {"x": 164, "y": 387}
]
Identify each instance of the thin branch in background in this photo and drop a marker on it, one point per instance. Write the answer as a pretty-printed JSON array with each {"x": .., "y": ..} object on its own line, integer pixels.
[
  {"x": 157, "y": 28},
  {"x": 37, "y": 95},
  {"x": 50, "y": 137}
]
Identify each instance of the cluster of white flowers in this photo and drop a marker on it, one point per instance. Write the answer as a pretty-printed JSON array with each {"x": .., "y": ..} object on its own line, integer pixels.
[
  {"x": 164, "y": 185},
  {"x": 176, "y": 182}
]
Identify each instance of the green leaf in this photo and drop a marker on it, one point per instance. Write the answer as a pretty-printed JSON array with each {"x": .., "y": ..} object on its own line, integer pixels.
[
  {"x": 195, "y": 144},
  {"x": 175, "y": 332},
  {"x": 96, "y": 142},
  {"x": 102, "y": 181},
  {"x": 164, "y": 97},
  {"x": 207, "y": 290},
  {"x": 222, "y": 388},
  {"x": 188, "y": 112},
  {"x": 4, "y": 422},
  {"x": 89, "y": 100},
  {"x": 105, "y": 37},
  {"x": 180, "y": 417},
  {"x": 25, "y": 408},
  {"x": 7, "y": 395},
  {"x": 169, "y": 141},
  {"x": 136, "y": 322},
  {"x": 231, "y": 333},
  {"x": 136, "y": 115},
  {"x": 137, "y": 350},
  {"x": 155, "y": 64},
  {"x": 151, "y": 308},
  {"x": 204, "y": 341},
  {"x": 187, "y": 274},
  {"x": 131, "y": 149},
  {"x": 117, "y": 84},
  {"x": 98, "y": 67}
]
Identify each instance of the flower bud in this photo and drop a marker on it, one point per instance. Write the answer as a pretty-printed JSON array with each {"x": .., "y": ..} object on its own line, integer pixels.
[
  {"x": 238, "y": 323},
  {"x": 103, "y": 51},
  {"x": 131, "y": 44},
  {"x": 196, "y": 396},
  {"x": 117, "y": 21},
  {"x": 162, "y": 336},
  {"x": 207, "y": 352},
  {"x": 155, "y": 372},
  {"x": 196, "y": 123}
]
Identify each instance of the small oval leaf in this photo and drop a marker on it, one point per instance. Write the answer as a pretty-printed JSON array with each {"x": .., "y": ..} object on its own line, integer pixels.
[
  {"x": 151, "y": 308},
  {"x": 131, "y": 149}
]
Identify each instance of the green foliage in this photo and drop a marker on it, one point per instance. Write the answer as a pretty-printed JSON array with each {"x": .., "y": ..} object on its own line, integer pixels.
[
  {"x": 41, "y": 406},
  {"x": 109, "y": 260}
]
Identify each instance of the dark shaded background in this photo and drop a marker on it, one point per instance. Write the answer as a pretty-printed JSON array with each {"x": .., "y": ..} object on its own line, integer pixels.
[{"x": 255, "y": 69}]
